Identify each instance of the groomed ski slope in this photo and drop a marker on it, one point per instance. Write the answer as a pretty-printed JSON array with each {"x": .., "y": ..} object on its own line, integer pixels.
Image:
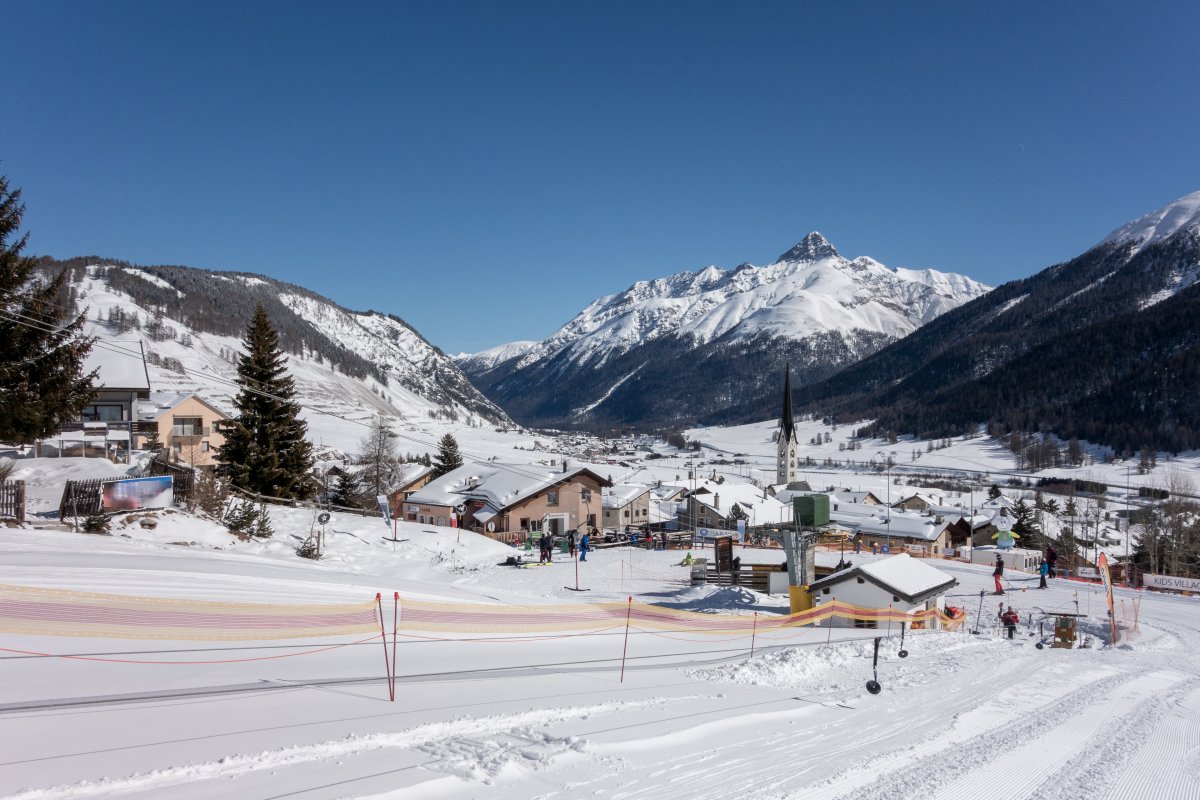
[{"x": 547, "y": 716}]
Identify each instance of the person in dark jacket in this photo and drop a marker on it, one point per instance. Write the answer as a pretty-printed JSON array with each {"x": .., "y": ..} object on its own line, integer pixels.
[
  {"x": 571, "y": 542},
  {"x": 998, "y": 573},
  {"x": 1010, "y": 619},
  {"x": 1052, "y": 560}
]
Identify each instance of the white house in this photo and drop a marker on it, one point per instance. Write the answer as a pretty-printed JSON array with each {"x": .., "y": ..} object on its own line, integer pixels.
[{"x": 905, "y": 583}]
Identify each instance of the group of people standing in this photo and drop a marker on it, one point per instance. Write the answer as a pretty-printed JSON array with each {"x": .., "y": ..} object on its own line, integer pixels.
[
  {"x": 546, "y": 546},
  {"x": 1046, "y": 569}
]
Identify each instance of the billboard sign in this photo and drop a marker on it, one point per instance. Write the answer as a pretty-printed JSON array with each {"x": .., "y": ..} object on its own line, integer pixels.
[
  {"x": 135, "y": 493},
  {"x": 1171, "y": 582}
]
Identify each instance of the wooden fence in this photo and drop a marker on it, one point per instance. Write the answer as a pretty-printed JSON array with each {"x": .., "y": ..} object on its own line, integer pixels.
[
  {"x": 183, "y": 479},
  {"x": 12, "y": 500},
  {"x": 80, "y": 499}
]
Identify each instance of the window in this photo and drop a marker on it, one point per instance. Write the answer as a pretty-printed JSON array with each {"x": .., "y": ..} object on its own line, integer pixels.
[
  {"x": 825, "y": 590},
  {"x": 861, "y": 580},
  {"x": 441, "y": 521},
  {"x": 187, "y": 426},
  {"x": 586, "y": 495},
  {"x": 864, "y": 623},
  {"x": 625, "y": 513},
  {"x": 204, "y": 446},
  {"x": 97, "y": 413},
  {"x": 551, "y": 498}
]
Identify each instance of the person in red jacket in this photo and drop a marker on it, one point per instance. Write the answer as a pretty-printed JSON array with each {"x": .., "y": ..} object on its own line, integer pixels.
[{"x": 1010, "y": 619}]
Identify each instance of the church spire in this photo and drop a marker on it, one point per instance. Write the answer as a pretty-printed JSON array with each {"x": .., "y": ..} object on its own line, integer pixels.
[
  {"x": 785, "y": 470},
  {"x": 787, "y": 423}
]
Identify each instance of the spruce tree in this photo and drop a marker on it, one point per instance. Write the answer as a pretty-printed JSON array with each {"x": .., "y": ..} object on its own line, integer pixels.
[
  {"x": 265, "y": 448},
  {"x": 448, "y": 458},
  {"x": 347, "y": 492},
  {"x": 42, "y": 382}
]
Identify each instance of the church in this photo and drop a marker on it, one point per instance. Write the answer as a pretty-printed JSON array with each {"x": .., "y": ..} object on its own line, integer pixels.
[{"x": 785, "y": 446}]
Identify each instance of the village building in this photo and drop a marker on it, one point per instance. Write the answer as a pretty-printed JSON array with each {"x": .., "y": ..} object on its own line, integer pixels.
[
  {"x": 723, "y": 508},
  {"x": 186, "y": 425},
  {"x": 506, "y": 500},
  {"x": 626, "y": 505},
  {"x": 919, "y": 502},
  {"x": 901, "y": 582},
  {"x": 847, "y": 496},
  {"x": 924, "y": 534},
  {"x": 106, "y": 425},
  {"x": 409, "y": 479}
]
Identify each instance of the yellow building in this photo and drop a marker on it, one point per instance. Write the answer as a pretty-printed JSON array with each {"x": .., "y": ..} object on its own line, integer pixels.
[{"x": 185, "y": 424}]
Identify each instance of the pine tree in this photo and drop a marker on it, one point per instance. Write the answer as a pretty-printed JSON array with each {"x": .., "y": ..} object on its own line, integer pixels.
[
  {"x": 993, "y": 492},
  {"x": 265, "y": 448},
  {"x": 346, "y": 493},
  {"x": 448, "y": 458},
  {"x": 152, "y": 444},
  {"x": 42, "y": 382}
]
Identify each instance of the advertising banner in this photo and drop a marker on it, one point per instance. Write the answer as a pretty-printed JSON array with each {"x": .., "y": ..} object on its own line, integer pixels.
[
  {"x": 1106, "y": 579},
  {"x": 135, "y": 493},
  {"x": 1171, "y": 582}
]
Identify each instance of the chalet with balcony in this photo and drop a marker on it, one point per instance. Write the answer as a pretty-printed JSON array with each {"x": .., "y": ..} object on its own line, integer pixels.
[{"x": 186, "y": 427}]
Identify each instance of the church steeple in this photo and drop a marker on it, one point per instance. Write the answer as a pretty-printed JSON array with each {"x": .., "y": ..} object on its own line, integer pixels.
[{"x": 785, "y": 453}]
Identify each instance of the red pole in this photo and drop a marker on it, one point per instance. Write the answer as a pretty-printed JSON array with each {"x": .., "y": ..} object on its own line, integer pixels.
[
  {"x": 577, "y": 569},
  {"x": 753, "y": 633},
  {"x": 383, "y": 635},
  {"x": 625, "y": 649}
]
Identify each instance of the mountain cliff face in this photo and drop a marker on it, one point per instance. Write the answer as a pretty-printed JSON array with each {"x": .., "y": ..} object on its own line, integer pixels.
[
  {"x": 1104, "y": 347},
  {"x": 349, "y": 363},
  {"x": 679, "y": 348}
]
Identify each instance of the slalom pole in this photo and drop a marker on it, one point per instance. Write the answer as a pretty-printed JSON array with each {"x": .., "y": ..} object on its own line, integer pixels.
[
  {"x": 753, "y": 633},
  {"x": 383, "y": 634},
  {"x": 625, "y": 649},
  {"x": 903, "y": 653},
  {"x": 395, "y": 627}
]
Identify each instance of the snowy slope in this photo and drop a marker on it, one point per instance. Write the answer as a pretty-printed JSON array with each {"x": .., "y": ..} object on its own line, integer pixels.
[
  {"x": 1182, "y": 214},
  {"x": 411, "y": 380}
]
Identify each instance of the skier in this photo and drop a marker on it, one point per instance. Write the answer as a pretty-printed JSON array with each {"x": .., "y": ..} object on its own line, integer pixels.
[
  {"x": 583, "y": 547},
  {"x": 1010, "y": 619},
  {"x": 1052, "y": 560},
  {"x": 998, "y": 573},
  {"x": 1043, "y": 571},
  {"x": 571, "y": 542}
]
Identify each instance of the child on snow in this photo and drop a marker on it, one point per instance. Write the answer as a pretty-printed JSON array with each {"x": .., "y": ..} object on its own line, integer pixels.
[
  {"x": 998, "y": 573},
  {"x": 1010, "y": 619}
]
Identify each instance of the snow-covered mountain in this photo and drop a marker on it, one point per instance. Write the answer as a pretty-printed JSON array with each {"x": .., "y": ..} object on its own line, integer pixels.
[
  {"x": 1104, "y": 347},
  {"x": 812, "y": 304},
  {"x": 486, "y": 359},
  {"x": 348, "y": 363}
]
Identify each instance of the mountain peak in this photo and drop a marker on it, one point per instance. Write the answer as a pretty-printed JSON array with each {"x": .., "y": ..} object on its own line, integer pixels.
[
  {"x": 813, "y": 247},
  {"x": 1158, "y": 225}
]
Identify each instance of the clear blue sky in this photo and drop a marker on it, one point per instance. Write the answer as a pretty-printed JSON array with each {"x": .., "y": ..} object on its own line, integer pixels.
[{"x": 484, "y": 170}]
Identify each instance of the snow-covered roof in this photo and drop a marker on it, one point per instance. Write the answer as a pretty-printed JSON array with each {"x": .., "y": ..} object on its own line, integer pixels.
[
  {"x": 409, "y": 472},
  {"x": 121, "y": 366},
  {"x": 622, "y": 494},
  {"x": 845, "y": 495},
  {"x": 910, "y": 578},
  {"x": 902, "y": 526},
  {"x": 759, "y": 510},
  {"x": 499, "y": 485},
  {"x": 160, "y": 403}
]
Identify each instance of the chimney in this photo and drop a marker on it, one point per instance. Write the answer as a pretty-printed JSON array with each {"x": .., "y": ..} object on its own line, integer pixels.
[{"x": 717, "y": 501}]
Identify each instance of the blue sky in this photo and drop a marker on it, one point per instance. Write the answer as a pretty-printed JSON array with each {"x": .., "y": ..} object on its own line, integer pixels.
[{"x": 484, "y": 170}]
